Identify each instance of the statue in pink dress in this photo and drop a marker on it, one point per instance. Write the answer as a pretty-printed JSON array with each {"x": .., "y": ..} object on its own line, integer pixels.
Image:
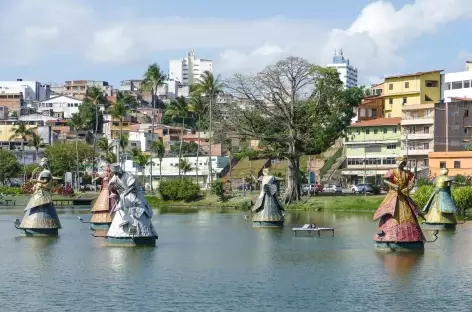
[{"x": 102, "y": 209}]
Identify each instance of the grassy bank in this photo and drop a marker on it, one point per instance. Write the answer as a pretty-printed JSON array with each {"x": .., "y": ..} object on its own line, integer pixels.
[
  {"x": 339, "y": 203},
  {"x": 209, "y": 201}
]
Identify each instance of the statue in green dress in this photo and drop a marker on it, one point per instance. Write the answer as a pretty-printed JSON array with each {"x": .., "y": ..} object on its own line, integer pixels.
[{"x": 440, "y": 208}]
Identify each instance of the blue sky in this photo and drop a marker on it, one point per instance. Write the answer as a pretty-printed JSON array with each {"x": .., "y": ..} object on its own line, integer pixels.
[{"x": 113, "y": 40}]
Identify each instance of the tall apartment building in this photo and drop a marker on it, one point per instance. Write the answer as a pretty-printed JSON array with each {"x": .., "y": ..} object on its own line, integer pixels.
[
  {"x": 412, "y": 97},
  {"x": 189, "y": 70},
  {"x": 347, "y": 72},
  {"x": 453, "y": 125}
]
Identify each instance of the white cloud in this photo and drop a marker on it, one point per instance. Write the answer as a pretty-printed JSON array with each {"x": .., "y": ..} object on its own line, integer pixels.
[{"x": 372, "y": 41}]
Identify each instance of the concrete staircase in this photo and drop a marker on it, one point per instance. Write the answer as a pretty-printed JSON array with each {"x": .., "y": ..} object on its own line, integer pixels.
[
  {"x": 331, "y": 172},
  {"x": 332, "y": 165}
]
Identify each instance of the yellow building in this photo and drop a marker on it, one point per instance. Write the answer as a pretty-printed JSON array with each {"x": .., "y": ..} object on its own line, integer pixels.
[
  {"x": 412, "y": 97},
  {"x": 411, "y": 89},
  {"x": 7, "y": 128}
]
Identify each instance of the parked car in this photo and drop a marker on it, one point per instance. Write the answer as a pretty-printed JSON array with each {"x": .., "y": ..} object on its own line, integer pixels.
[
  {"x": 309, "y": 190},
  {"x": 332, "y": 188},
  {"x": 362, "y": 188}
]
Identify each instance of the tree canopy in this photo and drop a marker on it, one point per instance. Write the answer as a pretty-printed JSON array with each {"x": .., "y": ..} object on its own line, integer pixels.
[
  {"x": 63, "y": 158},
  {"x": 9, "y": 166},
  {"x": 294, "y": 108}
]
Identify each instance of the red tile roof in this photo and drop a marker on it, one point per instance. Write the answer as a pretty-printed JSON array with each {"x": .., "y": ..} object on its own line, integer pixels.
[
  {"x": 415, "y": 74},
  {"x": 378, "y": 122}
]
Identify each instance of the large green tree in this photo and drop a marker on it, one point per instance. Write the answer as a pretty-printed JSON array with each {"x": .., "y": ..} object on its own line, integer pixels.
[
  {"x": 9, "y": 166},
  {"x": 296, "y": 109},
  {"x": 199, "y": 108},
  {"x": 63, "y": 159}
]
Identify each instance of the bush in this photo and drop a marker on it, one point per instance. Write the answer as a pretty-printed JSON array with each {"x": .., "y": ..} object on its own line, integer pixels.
[
  {"x": 462, "y": 197},
  {"x": 424, "y": 181},
  {"x": 461, "y": 180},
  {"x": 218, "y": 189},
  {"x": 376, "y": 189},
  {"x": 422, "y": 195},
  {"x": 179, "y": 190},
  {"x": 27, "y": 188},
  {"x": 9, "y": 190}
]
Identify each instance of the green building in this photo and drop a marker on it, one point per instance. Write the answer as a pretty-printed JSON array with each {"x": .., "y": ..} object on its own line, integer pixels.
[{"x": 371, "y": 147}]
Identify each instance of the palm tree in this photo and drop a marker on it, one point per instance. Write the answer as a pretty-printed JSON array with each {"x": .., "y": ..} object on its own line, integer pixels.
[
  {"x": 123, "y": 144},
  {"x": 184, "y": 165},
  {"x": 199, "y": 108},
  {"x": 141, "y": 160},
  {"x": 107, "y": 149},
  {"x": 153, "y": 79},
  {"x": 35, "y": 141},
  {"x": 178, "y": 108},
  {"x": 97, "y": 96},
  {"x": 22, "y": 130},
  {"x": 120, "y": 110},
  {"x": 209, "y": 86},
  {"x": 158, "y": 148},
  {"x": 77, "y": 123}
]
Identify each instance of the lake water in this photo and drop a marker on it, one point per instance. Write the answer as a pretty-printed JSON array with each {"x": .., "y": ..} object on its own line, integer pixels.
[{"x": 217, "y": 262}]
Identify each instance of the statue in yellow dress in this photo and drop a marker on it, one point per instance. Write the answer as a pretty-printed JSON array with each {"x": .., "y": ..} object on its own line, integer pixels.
[{"x": 40, "y": 218}]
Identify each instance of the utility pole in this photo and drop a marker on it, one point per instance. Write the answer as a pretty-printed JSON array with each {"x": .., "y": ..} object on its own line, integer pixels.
[{"x": 365, "y": 167}]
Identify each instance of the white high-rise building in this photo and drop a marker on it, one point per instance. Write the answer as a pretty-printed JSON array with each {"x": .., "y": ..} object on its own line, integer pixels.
[
  {"x": 31, "y": 90},
  {"x": 189, "y": 69},
  {"x": 457, "y": 85},
  {"x": 347, "y": 72}
]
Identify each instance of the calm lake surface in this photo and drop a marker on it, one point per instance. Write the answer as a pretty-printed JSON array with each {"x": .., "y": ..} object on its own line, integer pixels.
[{"x": 210, "y": 261}]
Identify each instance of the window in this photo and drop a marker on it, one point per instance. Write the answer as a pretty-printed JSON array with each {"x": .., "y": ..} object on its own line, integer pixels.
[
  {"x": 390, "y": 101},
  {"x": 466, "y": 130},
  {"x": 456, "y": 85},
  {"x": 394, "y": 130},
  {"x": 389, "y": 161},
  {"x": 375, "y": 131},
  {"x": 390, "y": 86},
  {"x": 426, "y": 130},
  {"x": 447, "y": 86},
  {"x": 426, "y": 146},
  {"x": 367, "y": 131},
  {"x": 466, "y": 83},
  {"x": 457, "y": 164},
  {"x": 432, "y": 83},
  {"x": 442, "y": 164},
  {"x": 427, "y": 98},
  {"x": 389, "y": 115},
  {"x": 407, "y": 85},
  {"x": 426, "y": 162},
  {"x": 358, "y": 131},
  {"x": 391, "y": 146},
  {"x": 373, "y": 149},
  {"x": 466, "y": 113},
  {"x": 404, "y": 100},
  {"x": 374, "y": 113}
]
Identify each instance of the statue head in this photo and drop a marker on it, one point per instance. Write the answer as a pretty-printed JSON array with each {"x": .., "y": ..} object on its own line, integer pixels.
[
  {"x": 116, "y": 169},
  {"x": 44, "y": 162},
  {"x": 401, "y": 162},
  {"x": 265, "y": 171},
  {"x": 444, "y": 171}
]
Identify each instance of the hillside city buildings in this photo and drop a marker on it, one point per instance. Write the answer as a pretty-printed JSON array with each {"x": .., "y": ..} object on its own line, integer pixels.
[{"x": 426, "y": 115}]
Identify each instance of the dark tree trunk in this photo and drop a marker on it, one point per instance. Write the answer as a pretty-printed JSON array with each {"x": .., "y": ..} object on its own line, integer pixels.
[{"x": 292, "y": 189}]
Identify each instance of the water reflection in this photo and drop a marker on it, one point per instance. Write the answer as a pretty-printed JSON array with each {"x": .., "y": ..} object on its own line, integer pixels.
[{"x": 400, "y": 264}]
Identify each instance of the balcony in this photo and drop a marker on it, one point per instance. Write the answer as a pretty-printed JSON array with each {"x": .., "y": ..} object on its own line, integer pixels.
[
  {"x": 418, "y": 151},
  {"x": 419, "y": 136},
  {"x": 412, "y": 120}
]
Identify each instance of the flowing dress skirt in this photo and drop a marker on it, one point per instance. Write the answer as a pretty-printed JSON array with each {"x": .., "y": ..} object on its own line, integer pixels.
[{"x": 440, "y": 208}]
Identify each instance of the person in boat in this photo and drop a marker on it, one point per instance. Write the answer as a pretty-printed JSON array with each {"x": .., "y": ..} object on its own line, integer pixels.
[
  {"x": 102, "y": 209},
  {"x": 398, "y": 213},
  {"x": 40, "y": 212},
  {"x": 132, "y": 214},
  {"x": 267, "y": 207},
  {"x": 440, "y": 208}
]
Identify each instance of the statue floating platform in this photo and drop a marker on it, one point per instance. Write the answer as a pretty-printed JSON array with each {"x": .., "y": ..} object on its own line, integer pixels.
[
  {"x": 40, "y": 218},
  {"x": 131, "y": 225},
  {"x": 268, "y": 212},
  {"x": 440, "y": 209},
  {"x": 398, "y": 228}
]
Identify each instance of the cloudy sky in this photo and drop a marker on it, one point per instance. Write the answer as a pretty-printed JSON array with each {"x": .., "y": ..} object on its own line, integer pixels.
[{"x": 112, "y": 40}]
